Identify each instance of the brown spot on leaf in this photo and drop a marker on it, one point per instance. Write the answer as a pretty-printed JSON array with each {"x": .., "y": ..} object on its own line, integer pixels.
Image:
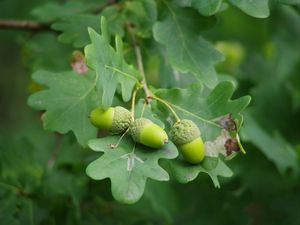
[
  {"x": 231, "y": 145},
  {"x": 228, "y": 123}
]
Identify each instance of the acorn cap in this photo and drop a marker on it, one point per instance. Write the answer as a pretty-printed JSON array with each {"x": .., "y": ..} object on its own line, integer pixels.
[
  {"x": 184, "y": 132},
  {"x": 137, "y": 126},
  {"x": 121, "y": 120}
]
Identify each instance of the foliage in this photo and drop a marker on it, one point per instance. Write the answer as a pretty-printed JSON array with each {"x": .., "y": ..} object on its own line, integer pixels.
[{"x": 163, "y": 60}]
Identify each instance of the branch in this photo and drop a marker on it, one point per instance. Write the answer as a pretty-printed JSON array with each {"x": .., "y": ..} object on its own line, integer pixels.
[
  {"x": 139, "y": 61},
  {"x": 36, "y": 26},
  {"x": 23, "y": 25}
]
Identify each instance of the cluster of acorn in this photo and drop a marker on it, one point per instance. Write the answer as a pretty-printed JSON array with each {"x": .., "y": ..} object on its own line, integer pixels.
[{"x": 184, "y": 133}]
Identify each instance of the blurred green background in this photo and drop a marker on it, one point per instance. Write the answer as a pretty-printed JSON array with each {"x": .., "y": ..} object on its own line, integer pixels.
[{"x": 42, "y": 175}]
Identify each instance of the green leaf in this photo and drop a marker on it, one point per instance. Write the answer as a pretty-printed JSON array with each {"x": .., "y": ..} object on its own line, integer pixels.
[
  {"x": 115, "y": 20},
  {"x": 273, "y": 145},
  {"x": 290, "y": 2},
  {"x": 19, "y": 162},
  {"x": 75, "y": 27},
  {"x": 187, "y": 51},
  {"x": 205, "y": 7},
  {"x": 41, "y": 52},
  {"x": 214, "y": 167},
  {"x": 68, "y": 102},
  {"x": 15, "y": 209},
  {"x": 51, "y": 11},
  {"x": 110, "y": 66},
  {"x": 163, "y": 198},
  {"x": 142, "y": 14},
  {"x": 255, "y": 8},
  {"x": 128, "y": 166},
  {"x": 204, "y": 107}
]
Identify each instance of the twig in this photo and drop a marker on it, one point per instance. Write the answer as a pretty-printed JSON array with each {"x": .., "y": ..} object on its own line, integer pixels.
[
  {"x": 139, "y": 61},
  {"x": 23, "y": 25},
  {"x": 36, "y": 26}
]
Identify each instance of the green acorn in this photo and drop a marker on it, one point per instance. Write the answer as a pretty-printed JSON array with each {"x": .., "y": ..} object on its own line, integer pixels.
[
  {"x": 115, "y": 120},
  {"x": 186, "y": 136},
  {"x": 146, "y": 132}
]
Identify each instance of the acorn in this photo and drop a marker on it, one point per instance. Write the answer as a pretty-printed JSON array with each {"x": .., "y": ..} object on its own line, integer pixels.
[
  {"x": 115, "y": 119},
  {"x": 186, "y": 136},
  {"x": 146, "y": 132}
]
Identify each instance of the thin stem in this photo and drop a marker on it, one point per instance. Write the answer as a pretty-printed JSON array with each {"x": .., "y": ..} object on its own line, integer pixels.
[
  {"x": 133, "y": 103},
  {"x": 240, "y": 144},
  {"x": 120, "y": 139},
  {"x": 143, "y": 109},
  {"x": 169, "y": 106},
  {"x": 139, "y": 61}
]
